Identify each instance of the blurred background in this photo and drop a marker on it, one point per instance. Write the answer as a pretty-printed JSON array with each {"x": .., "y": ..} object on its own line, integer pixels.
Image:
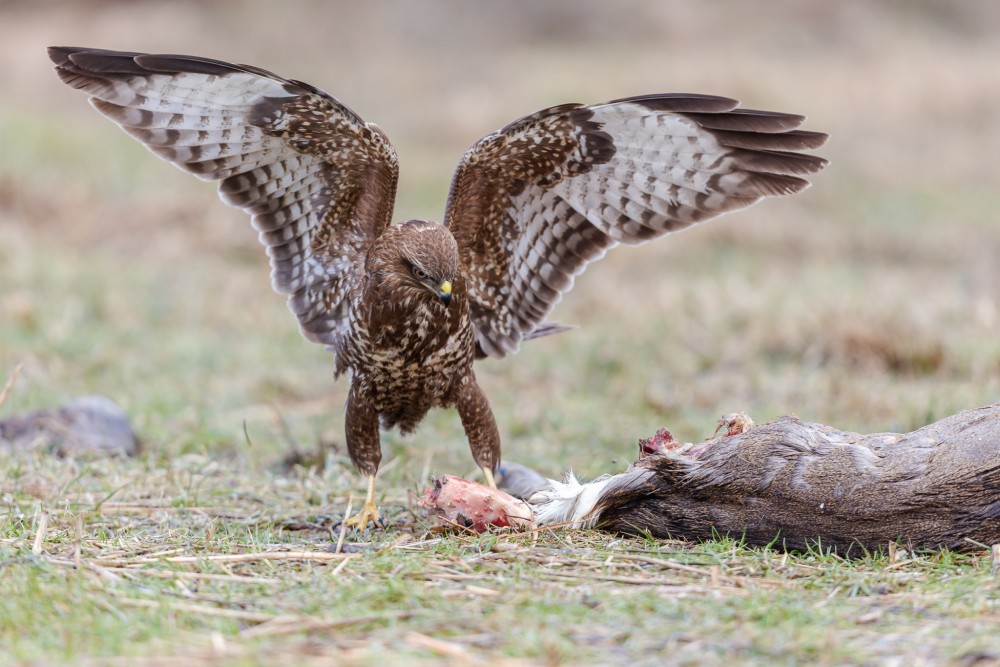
[{"x": 869, "y": 302}]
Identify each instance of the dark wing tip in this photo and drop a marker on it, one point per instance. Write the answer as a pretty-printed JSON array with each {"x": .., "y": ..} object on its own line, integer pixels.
[
  {"x": 807, "y": 139},
  {"x": 169, "y": 63},
  {"x": 60, "y": 54},
  {"x": 721, "y": 115},
  {"x": 766, "y": 144},
  {"x": 104, "y": 62},
  {"x": 779, "y": 162},
  {"x": 774, "y": 184},
  {"x": 547, "y": 329},
  {"x": 793, "y": 140},
  {"x": 748, "y": 120},
  {"x": 681, "y": 102}
]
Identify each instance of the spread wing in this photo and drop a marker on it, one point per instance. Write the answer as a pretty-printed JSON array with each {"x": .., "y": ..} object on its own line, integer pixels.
[
  {"x": 532, "y": 204},
  {"x": 317, "y": 180}
]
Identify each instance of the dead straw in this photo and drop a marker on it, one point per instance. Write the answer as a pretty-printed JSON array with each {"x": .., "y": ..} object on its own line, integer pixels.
[
  {"x": 228, "y": 558},
  {"x": 343, "y": 525},
  {"x": 198, "y": 576},
  {"x": 43, "y": 524},
  {"x": 288, "y": 625},
  {"x": 10, "y": 384}
]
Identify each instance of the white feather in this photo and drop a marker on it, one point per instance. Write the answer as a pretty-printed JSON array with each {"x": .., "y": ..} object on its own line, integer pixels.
[{"x": 569, "y": 502}]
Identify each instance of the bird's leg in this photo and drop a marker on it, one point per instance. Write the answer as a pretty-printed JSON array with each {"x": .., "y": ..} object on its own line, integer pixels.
[
  {"x": 369, "y": 511},
  {"x": 366, "y": 452},
  {"x": 480, "y": 426}
]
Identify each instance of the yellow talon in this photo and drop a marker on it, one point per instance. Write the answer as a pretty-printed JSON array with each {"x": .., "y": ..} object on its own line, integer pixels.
[
  {"x": 489, "y": 478},
  {"x": 369, "y": 512}
]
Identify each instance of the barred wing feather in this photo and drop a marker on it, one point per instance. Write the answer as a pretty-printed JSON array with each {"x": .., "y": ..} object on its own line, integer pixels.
[
  {"x": 532, "y": 204},
  {"x": 317, "y": 180}
]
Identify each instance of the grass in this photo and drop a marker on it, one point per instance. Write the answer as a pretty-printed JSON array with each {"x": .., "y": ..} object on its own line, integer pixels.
[
  {"x": 868, "y": 302},
  {"x": 154, "y": 571},
  {"x": 149, "y": 574}
]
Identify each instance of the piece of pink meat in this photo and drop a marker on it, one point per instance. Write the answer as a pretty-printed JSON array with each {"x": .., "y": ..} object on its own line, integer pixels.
[{"x": 457, "y": 501}]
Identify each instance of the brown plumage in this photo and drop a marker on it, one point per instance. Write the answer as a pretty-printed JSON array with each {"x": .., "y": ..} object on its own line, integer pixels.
[{"x": 407, "y": 308}]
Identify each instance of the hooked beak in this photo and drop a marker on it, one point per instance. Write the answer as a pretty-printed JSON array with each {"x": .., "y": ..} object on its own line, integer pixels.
[{"x": 443, "y": 292}]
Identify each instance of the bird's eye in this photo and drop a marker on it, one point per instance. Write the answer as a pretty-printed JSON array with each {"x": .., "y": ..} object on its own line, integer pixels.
[{"x": 419, "y": 273}]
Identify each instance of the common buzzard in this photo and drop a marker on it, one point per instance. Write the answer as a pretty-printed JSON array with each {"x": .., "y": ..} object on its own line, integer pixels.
[{"x": 407, "y": 308}]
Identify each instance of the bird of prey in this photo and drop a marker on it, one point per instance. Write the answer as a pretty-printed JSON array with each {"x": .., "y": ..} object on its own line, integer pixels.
[{"x": 406, "y": 308}]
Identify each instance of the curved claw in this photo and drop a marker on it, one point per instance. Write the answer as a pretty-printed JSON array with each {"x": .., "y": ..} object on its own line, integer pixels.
[{"x": 369, "y": 512}]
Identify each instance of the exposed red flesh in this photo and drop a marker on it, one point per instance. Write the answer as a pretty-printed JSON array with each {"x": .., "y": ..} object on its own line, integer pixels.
[
  {"x": 457, "y": 501},
  {"x": 662, "y": 442}
]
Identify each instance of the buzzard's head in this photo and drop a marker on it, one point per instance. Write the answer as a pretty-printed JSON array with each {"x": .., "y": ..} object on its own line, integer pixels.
[{"x": 416, "y": 261}]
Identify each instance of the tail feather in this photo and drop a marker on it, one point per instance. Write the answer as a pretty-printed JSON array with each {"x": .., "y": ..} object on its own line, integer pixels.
[
  {"x": 579, "y": 505},
  {"x": 543, "y": 329},
  {"x": 547, "y": 329}
]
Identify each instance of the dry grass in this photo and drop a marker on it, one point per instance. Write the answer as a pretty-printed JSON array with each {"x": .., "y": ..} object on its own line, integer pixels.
[
  {"x": 159, "y": 576},
  {"x": 9, "y": 385},
  {"x": 870, "y": 302}
]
